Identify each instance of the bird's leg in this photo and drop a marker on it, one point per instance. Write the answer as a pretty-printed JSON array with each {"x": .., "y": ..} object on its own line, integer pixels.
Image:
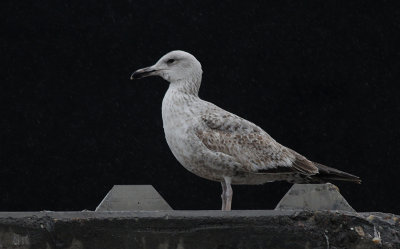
[
  {"x": 228, "y": 194},
  {"x": 223, "y": 194}
]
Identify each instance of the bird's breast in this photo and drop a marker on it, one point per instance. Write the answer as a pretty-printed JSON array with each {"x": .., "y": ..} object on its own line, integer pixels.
[
  {"x": 180, "y": 117},
  {"x": 178, "y": 120},
  {"x": 176, "y": 115}
]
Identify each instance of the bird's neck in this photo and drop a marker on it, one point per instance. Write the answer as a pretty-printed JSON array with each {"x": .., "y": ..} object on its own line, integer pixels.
[{"x": 189, "y": 86}]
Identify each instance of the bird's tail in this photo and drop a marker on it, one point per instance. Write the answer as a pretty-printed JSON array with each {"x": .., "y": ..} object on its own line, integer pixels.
[{"x": 327, "y": 173}]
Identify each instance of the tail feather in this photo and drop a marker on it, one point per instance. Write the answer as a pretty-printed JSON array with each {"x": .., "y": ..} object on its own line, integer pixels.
[{"x": 327, "y": 173}]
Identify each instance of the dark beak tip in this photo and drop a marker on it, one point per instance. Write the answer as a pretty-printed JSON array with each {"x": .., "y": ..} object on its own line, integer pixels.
[{"x": 134, "y": 76}]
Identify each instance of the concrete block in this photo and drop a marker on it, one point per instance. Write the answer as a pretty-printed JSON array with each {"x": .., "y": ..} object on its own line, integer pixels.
[
  {"x": 314, "y": 197},
  {"x": 133, "y": 198}
]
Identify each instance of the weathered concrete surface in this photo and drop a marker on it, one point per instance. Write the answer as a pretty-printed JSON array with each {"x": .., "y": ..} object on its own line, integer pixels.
[
  {"x": 314, "y": 197},
  {"x": 133, "y": 198},
  {"x": 199, "y": 229}
]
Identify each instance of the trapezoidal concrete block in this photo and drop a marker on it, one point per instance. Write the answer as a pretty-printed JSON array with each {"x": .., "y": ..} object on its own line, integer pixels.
[
  {"x": 133, "y": 198},
  {"x": 314, "y": 197}
]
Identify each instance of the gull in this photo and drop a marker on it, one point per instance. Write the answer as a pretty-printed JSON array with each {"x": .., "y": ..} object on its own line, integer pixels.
[{"x": 220, "y": 146}]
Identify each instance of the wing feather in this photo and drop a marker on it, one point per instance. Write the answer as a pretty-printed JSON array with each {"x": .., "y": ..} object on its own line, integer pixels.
[{"x": 249, "y": 145}]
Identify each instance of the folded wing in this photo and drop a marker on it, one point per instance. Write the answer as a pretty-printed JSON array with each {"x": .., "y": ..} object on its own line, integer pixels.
[{"x": 252, "y": 147}]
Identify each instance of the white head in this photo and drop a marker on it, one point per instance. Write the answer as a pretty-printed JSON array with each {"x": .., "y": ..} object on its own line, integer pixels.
[{"x": 174, "y": 67}]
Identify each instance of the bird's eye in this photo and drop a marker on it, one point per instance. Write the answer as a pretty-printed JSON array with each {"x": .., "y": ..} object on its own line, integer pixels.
[{"x": 170, "y": 61}]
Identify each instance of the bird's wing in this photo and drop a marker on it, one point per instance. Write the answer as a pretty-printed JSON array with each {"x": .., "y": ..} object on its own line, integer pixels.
[{"x": 258, "y": 152}]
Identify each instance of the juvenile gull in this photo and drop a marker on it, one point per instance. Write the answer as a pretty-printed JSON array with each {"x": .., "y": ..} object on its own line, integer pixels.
[{"x": 220, "y": 146}]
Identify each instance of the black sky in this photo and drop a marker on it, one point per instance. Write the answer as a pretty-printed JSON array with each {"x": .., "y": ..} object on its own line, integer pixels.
[{"x": 320, "y": 77}]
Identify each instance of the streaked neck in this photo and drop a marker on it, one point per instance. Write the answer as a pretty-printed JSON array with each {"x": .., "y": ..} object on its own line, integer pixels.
[{"x": 188, "y": 86}]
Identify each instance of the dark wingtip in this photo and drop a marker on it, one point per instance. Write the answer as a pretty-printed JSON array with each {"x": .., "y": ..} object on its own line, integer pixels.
[{"x": 328, "y": 173}]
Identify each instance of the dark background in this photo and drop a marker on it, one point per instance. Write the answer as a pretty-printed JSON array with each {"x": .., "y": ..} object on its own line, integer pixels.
[{"x": 321, "y": 77}]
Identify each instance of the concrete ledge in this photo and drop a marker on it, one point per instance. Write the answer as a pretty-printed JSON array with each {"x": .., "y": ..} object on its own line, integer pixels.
[{"x": 198, "y": 229}]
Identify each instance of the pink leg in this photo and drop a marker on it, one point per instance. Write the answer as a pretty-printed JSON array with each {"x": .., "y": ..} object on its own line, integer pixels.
[
  {"x": 223, "y": 195},
  {"x": 228, "y": 194}
]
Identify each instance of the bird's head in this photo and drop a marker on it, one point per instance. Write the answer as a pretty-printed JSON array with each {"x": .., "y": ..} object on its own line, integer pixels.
[{"x": 173, "y": 67}]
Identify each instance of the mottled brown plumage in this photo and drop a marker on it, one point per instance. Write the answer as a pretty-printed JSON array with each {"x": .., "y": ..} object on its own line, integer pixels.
[{"x": 252, "y": 147}]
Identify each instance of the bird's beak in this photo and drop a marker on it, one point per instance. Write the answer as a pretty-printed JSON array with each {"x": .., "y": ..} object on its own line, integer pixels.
[{"x": 144, "y": 72}]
